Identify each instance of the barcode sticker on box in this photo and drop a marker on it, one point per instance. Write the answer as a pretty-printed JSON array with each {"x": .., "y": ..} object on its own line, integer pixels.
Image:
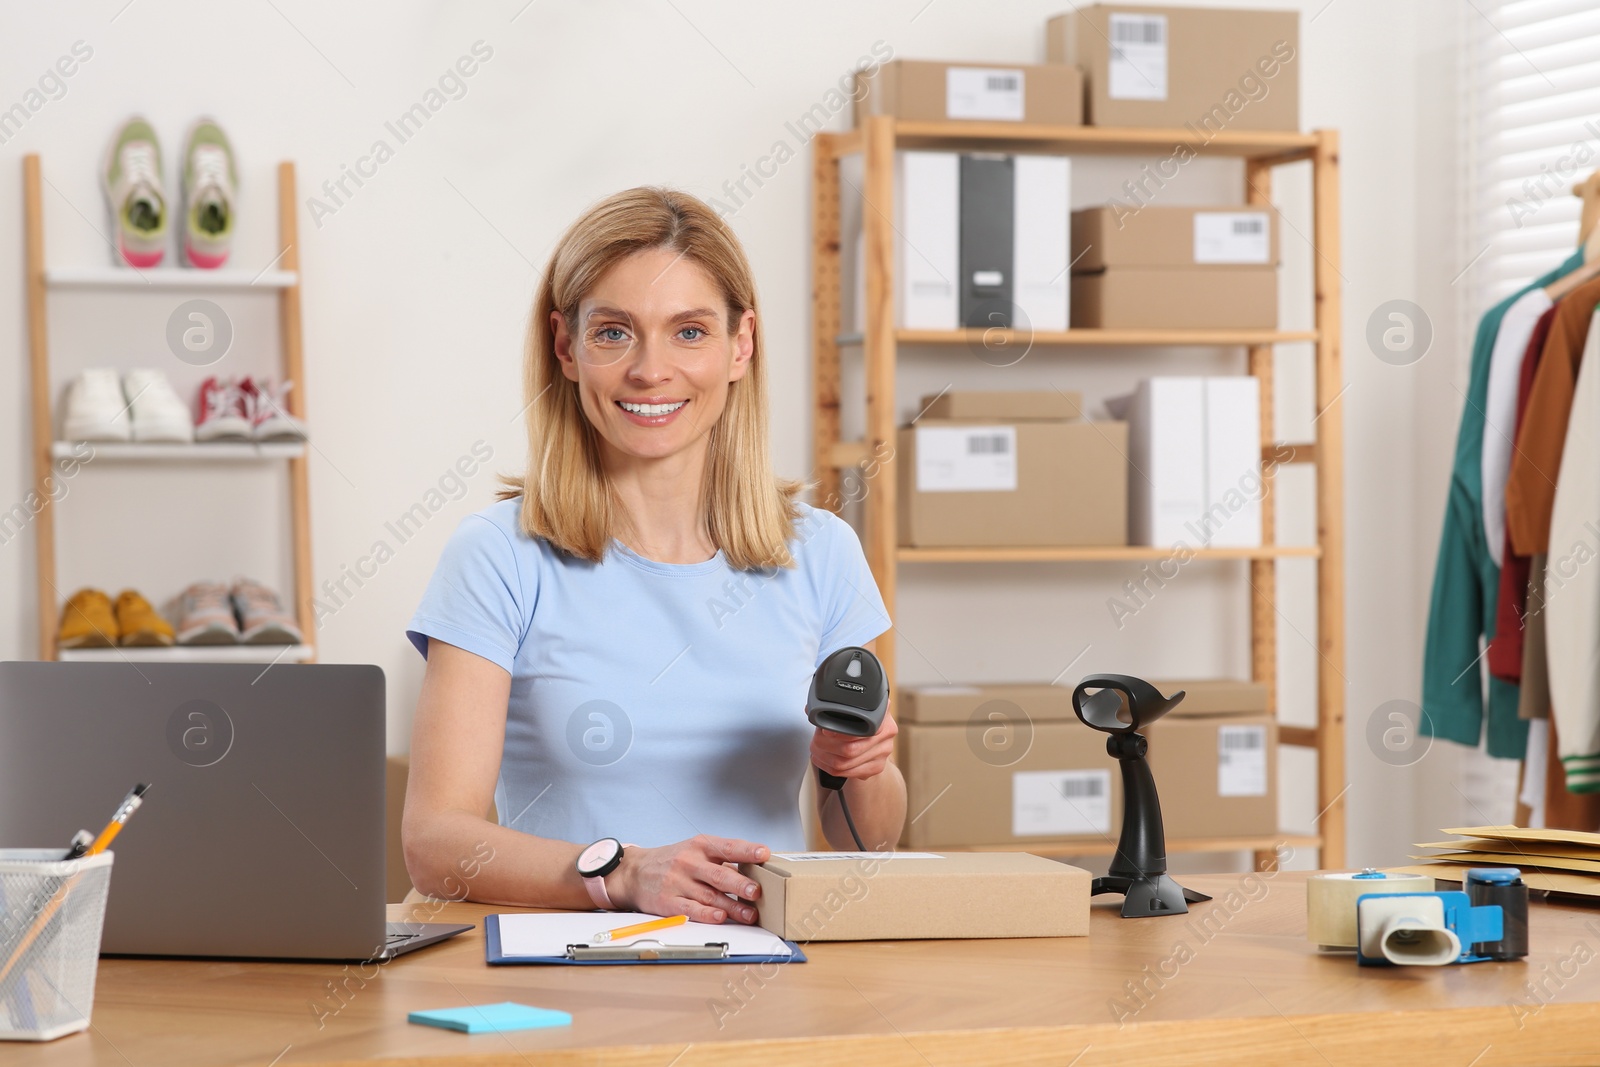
[
  {"x": 1242, "y": 761},
  {"x": 1138, "y": 67},
  {"x": 966, "y": 459},
  {"x": 1060, "y": 803},
  {"x": 1232, "y": 237},
  {"x": 983, "y": 93}
]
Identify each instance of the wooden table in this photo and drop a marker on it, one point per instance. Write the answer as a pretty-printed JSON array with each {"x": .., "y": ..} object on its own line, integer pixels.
[{"x": 1233, "y": 982}]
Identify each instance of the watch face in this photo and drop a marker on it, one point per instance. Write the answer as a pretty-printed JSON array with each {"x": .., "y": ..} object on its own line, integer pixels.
[{"x": 598, "y": 856}]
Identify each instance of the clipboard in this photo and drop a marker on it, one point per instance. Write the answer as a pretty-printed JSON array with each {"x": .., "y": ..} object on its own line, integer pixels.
[{"x": 646, "y": 950}]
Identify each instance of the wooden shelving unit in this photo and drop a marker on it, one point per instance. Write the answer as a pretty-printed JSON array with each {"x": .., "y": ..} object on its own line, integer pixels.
[
  {"x": 282, "y": 279},
  {"x": 876, "y": 140}
]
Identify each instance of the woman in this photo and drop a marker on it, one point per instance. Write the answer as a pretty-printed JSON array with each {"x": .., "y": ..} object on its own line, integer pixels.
[{"x": 619, "y": 650}]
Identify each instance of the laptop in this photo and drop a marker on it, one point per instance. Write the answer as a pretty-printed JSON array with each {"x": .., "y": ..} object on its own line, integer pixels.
[{"x": 262, "y": 834}]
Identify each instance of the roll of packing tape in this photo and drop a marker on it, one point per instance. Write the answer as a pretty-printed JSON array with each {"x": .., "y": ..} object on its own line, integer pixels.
[{"x": 1331, "y": 902}]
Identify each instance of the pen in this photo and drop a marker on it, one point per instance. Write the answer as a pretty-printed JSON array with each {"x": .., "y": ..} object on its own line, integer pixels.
[
  {"x": 130, "y": 804},
  {"x": 80, "y": 844},
  {"x": 641, "y": 928}
]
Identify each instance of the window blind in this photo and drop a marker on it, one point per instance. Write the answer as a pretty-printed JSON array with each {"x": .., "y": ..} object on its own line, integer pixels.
[{"x": 1531, "y": 81}]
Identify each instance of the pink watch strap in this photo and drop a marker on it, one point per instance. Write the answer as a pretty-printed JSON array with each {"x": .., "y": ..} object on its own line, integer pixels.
[
  {"x": 597, "y": 888},
  {"x": 598, "y": 894}
]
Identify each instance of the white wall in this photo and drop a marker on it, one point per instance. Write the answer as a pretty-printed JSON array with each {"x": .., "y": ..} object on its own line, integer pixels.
[{"x": 418, "y": 285}]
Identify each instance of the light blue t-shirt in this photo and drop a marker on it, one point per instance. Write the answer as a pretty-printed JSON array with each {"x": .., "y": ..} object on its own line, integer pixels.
[{"x": 651, "y": 701}]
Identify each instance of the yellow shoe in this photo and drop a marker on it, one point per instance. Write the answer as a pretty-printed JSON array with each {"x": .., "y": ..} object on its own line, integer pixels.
[
  {"x": 139, "y": 623},
  {"x": 87, "y": 621}
]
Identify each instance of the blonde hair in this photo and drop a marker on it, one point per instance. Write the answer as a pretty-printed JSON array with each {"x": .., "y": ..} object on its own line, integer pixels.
[{"x": 566, "y": 496}]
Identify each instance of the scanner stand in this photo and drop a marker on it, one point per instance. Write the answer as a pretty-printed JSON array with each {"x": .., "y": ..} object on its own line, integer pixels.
[{"x": 1139, "y": 869}]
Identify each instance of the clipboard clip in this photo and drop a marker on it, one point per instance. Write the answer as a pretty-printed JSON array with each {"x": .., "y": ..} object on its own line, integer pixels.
[{"x": 649, "y": 949}]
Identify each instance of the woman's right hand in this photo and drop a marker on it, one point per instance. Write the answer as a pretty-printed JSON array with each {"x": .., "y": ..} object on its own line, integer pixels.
[{"x": 690, "y": 878}]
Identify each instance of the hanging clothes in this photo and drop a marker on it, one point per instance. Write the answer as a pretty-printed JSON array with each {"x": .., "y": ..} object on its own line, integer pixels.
[
  {"x": 1534, "y": 766},
  {"x": 1512, "y": 617},
  {"x": 1572, "y": 580},
  {"x": 1500, "y": 408},
  {"x": 1536, "y": 466},
  {"x": 1466, "y": 580},
  {"x": 1533, "y": 691}
]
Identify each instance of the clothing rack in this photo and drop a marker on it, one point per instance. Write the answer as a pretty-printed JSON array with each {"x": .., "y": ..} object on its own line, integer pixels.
[{"x": 1542, "y": 338}]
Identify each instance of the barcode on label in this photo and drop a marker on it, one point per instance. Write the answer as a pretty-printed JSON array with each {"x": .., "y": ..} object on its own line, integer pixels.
[
  {"x": 988, "y": 444},
  {"x": 1060, "y": 803},
  {"x": 1242, "y": 761},
  {"x": 1131, "y": 29},
  {"x": 1072, "y": 788},
  {"x": 1232, "y": 237},
  {"x": 1001, "y": 83}
]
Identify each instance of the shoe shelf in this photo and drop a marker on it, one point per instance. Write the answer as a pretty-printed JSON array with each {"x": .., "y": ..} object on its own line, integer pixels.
[
  {"x": 204, "y": 451},
  {"x": 875, "y": 347},
  {"x": 114, "y": 277},
  {"x": 190, "y": 654},
  {"x": 282, "y": 279}
]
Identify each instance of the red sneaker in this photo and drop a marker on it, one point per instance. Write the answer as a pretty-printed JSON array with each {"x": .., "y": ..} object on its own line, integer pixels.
[
  {"x": 222, "y": 415},
  {"x": 268, "y": 408}
]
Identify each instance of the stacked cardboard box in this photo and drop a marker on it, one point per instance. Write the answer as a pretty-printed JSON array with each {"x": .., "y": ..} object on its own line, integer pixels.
[
  {"x": 917, "y": 90},
  {"x": 1161, "y": 267},
  {"x": 1011, "y": 764},
  {"x": 1203, "y": 70},
  {"x": 1011, "y": 469},
  {"x": 1215, "y": 761},
  {"x": 1002, "y": 764}
]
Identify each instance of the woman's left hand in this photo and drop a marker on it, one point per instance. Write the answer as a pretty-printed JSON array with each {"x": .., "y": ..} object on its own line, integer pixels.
[{"x": 854, "y": 757}]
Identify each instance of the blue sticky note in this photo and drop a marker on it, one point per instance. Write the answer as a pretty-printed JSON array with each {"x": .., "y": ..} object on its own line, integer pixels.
[{"x": 492, "y": 1018}]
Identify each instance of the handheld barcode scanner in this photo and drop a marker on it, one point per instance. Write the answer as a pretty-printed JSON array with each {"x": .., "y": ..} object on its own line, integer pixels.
[{"x": 849, "y": 695}]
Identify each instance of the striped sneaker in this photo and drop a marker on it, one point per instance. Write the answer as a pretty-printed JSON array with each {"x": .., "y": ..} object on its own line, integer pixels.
[
  {"x": 205, "y": 616},
  {"x": 131, "y": 178},
  {"x": 262, "y": 617}
]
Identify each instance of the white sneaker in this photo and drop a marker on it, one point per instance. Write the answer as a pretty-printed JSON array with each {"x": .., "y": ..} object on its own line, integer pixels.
[
  {"x": 96, "y": 408},
  {"x": 158, "y": 414}
]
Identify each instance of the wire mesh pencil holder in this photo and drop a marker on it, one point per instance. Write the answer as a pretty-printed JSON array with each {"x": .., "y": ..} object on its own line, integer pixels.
[{"x": 51, "y": 915}]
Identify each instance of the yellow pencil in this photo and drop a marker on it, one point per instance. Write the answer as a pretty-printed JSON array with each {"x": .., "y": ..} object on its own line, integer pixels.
[
  {"x": 130, "y": 804},
  {"x": 641, "y": 928}
]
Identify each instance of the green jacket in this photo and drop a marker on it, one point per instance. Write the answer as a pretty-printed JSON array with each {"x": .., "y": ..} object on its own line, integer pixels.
[{"x": 1466, "y": 580}]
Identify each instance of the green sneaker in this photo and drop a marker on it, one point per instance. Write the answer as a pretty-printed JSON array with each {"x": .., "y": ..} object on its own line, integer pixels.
[
  {"x": 209, "y": 182},
  {"x": 131, "y": 178}
]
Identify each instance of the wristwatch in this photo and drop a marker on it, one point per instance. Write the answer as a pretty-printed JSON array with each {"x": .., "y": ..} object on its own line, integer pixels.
[{"x": 594, "y": 863}]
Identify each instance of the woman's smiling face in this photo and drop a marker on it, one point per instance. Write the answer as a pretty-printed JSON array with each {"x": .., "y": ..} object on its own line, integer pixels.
[{"x": 653, "y": 351}]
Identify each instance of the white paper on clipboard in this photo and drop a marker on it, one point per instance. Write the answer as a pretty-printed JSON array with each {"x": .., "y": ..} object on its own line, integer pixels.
[{"x": 544, "y": 936}]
